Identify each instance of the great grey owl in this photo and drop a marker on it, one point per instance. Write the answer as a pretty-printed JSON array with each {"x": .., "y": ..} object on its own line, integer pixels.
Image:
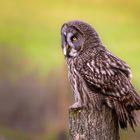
[{"x": 92, "y": 69}]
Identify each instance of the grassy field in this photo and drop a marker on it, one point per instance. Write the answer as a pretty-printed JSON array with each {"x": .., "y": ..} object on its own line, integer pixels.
[{"x": 33, "y": 27}]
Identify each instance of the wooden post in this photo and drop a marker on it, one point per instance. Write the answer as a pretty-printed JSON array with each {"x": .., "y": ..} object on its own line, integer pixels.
[{"x": 93, "y": 124}]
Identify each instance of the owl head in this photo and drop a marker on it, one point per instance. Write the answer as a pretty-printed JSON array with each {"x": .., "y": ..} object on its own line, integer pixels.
[{"x": 76, "y": 37}]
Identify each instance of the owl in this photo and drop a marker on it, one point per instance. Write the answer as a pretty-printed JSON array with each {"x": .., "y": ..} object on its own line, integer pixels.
[{"x": 93, "y": 70}]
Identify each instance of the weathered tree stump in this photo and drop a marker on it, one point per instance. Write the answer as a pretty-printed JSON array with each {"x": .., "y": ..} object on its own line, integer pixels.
[{"x": 93, "y": 124}]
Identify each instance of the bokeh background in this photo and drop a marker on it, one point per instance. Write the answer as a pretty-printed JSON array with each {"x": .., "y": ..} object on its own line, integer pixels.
[{"x": 34, "y": 91}]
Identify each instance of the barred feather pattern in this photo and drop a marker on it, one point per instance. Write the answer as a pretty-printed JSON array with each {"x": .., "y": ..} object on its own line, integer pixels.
[
  {"x": 111, "y": 76},
  {"x": 79, "y": 88}
]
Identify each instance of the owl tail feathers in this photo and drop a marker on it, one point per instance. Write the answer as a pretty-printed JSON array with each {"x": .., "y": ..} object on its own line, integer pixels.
[{"x": 125, "y": 116}]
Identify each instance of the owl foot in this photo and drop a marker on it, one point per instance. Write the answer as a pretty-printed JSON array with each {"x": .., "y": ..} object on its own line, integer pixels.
[{"x": 76, "y": 106}]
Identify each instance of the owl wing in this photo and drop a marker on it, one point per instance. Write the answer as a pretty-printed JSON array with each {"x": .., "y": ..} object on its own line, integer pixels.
[{"x": 107, "y": 74}]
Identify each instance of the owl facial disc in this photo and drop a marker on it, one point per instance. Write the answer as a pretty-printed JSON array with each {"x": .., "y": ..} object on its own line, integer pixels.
[{"x": 71, "y": 41}]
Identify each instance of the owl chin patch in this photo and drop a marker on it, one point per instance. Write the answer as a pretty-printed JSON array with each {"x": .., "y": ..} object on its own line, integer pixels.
[
  {"x": 70, "y": 52},
  {"x": 73, "y": 53}
]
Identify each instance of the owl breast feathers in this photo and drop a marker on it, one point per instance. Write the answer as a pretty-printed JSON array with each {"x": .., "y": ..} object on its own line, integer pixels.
[{"x": 92, "y": 66}]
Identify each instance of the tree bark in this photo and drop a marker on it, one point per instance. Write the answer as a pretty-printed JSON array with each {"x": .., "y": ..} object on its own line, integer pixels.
[{"x": 93, "y": 124}]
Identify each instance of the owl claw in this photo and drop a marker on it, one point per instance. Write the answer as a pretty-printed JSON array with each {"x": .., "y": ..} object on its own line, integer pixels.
[{"x": 76, "y": 106}]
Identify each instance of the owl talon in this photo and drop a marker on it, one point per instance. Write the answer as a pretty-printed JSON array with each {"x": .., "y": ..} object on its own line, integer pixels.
[{"x": 76, "y": 106}]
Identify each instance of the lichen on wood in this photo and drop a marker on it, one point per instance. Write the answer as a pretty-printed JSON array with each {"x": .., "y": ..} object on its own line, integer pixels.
[{"x": 93, "y": 124}]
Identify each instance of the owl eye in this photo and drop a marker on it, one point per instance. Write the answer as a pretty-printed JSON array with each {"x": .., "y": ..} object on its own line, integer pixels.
[{"x": 73, "y": 38}]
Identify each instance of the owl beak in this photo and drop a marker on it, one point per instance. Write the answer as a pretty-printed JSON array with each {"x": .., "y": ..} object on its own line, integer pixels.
[
  {"x": 67, "y": 46},
  {"x": 65, "y": 49}
]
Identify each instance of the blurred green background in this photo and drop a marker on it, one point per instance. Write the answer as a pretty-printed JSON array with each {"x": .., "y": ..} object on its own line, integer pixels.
[{"x": 34, "y": 91}]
